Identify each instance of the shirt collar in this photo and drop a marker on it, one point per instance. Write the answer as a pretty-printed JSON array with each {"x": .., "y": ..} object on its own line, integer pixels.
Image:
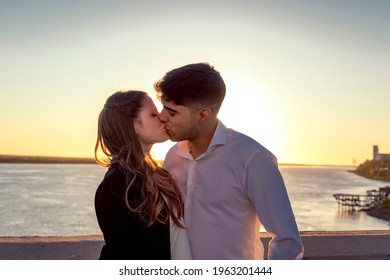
[{"x": 219, "y": 138}]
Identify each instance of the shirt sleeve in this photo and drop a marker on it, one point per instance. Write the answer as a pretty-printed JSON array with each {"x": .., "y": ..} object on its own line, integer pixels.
[{"x": 267, "y": 192}]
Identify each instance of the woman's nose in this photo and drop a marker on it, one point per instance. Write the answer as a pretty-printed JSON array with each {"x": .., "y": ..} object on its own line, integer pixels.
[{"x": 162, "y": 116}]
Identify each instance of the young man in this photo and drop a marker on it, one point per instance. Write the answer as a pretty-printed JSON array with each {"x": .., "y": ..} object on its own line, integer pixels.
[{"x": 231, "y": 184}]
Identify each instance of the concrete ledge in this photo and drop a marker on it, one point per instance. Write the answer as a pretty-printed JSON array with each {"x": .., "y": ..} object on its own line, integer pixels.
[
  {"x": 339, "y": 245},
  {"x": 343, "y": 245},
  {"x": 51, "y": 248}
]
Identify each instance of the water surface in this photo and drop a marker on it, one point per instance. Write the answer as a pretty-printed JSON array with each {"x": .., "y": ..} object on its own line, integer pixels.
[{"x": 58, "y": 199}]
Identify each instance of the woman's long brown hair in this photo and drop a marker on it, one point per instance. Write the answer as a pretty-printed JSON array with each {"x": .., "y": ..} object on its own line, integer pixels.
[{"x": 160, "y": 196}]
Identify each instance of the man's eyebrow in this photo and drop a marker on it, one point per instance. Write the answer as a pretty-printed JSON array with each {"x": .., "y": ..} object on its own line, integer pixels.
[{"x": 170, "y": 109}]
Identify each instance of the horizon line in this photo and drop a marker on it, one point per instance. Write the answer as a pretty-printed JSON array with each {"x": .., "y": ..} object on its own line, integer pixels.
[{"x": 6, "y": 158}]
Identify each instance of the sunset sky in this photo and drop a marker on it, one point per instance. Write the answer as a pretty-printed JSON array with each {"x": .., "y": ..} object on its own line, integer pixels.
[{"x": 310, "y": 80}]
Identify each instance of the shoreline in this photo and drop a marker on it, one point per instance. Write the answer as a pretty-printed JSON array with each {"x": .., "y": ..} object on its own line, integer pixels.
[
  {"x": 319, "y": 245},
  {"x": 380, "y": 213}
]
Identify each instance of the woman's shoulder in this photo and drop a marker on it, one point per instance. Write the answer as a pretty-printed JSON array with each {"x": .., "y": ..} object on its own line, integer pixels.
[
  {"x": 117, "y": 180},
  {"x": 115, "y": 170},
  {"x": 114, "y": 180}
]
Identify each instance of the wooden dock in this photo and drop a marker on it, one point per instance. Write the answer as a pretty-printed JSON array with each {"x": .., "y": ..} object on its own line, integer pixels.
[{"x": 363, "y": 202}]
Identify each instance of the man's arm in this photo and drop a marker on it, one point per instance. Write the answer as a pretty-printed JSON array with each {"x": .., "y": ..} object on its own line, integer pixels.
[{"x": 267, "y": 192}]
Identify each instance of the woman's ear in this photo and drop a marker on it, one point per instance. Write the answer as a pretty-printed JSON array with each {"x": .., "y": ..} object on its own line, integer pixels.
[{"x": 136, "y": 124}]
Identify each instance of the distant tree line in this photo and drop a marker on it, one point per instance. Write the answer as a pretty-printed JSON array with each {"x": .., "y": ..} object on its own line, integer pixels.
[
  {"x": 375, "y": 169},
  {"x": 41, "y": 159}
]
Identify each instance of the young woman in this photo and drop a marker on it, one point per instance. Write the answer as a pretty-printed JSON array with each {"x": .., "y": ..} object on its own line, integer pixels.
[{"x": 138, "y": 205}]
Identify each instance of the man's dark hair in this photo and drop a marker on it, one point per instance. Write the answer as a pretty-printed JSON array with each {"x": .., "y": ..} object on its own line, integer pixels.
[{"x": 193, "y": 85}]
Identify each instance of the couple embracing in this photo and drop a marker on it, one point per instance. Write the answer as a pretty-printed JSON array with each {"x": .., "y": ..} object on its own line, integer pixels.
[{"x": 216, "y": 186}]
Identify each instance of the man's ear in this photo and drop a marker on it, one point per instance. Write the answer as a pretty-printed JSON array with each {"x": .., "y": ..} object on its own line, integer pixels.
[{"x": 204, "y": 115}]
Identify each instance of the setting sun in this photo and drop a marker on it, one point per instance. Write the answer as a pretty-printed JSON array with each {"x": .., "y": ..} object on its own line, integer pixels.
[{"x": 248, "y": 109}]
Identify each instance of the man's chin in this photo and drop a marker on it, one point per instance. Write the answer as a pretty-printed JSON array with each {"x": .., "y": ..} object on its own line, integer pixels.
[{"x": 174, "y": 139}]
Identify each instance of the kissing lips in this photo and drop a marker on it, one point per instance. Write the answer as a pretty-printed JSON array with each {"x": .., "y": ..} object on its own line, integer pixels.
[{"x": 167, "y": 130}]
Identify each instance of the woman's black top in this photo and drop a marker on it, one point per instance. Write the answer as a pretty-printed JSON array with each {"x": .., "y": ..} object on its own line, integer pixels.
[{"x": 125, "y": 236}]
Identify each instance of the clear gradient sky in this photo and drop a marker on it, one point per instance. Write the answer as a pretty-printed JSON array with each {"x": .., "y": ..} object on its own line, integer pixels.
[{"x": 310, "y": 80}]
